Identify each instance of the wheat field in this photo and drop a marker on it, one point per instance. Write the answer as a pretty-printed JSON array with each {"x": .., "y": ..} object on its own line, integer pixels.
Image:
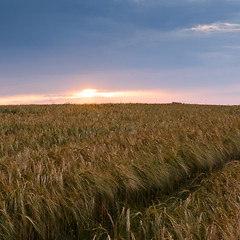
[{"x": 120, "y": 171}]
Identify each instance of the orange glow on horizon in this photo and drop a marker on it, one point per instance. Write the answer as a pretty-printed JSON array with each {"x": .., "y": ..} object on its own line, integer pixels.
[
  {"x": 95, "y": 96},
  {"x": 88, "y": 96},
  {"x": 20, "y": 99}
]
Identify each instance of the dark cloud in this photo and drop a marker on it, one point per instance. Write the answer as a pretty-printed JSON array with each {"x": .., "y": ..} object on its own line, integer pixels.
[{"x": 43, "y": 40}]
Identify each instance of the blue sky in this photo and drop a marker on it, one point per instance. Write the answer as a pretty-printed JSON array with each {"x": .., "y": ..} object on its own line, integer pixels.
[{"x": 53, "y": 47}]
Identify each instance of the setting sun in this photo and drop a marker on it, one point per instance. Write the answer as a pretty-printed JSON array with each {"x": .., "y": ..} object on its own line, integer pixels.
[
  {"x": 91, "y": 93},
  {"x": 87, "y": 93}
]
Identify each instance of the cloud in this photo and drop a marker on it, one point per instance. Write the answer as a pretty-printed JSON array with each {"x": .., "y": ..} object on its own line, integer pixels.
[
  {"x": 227, "y": 94},
  {"x": 218, "y": 27}
]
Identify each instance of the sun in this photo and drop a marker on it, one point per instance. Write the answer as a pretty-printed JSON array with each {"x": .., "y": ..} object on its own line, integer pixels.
[
  {"x": 87, "y": 93},
  {"x": 94, "y": 93}
]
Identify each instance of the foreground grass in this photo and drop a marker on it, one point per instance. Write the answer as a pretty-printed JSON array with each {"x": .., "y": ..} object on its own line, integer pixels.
[
  {"x": 71, "y": 172},
  {"x": 208, "y": 208}
]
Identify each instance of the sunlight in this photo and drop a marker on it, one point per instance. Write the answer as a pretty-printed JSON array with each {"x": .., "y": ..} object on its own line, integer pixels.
[
  {"x": 91, "y": 93},
  {"x": 87, "y": 93}
]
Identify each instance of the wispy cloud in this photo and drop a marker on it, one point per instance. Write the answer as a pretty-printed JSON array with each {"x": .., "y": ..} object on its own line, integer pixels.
[
  {"x": 218, "y": 27},
  {"x": 93, "y": 96},
  {"x": 220, "y": 95}
]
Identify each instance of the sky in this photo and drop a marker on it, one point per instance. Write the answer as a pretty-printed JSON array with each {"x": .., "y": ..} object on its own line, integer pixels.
[{"x": 98, "y": 51}]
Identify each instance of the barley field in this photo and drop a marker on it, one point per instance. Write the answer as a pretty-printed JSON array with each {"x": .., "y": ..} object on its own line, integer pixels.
[{"x": 120, "y": 171}]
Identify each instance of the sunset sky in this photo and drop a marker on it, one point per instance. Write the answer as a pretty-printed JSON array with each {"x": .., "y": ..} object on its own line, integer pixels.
[{"x": 96, "y": 51}]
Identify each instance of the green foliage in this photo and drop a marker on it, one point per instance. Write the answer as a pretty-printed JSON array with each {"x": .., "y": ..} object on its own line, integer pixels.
[{"x": 98, "y": 171}]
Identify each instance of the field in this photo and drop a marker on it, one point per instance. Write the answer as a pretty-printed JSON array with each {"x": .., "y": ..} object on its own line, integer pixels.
[{"x": 120, "y": 171}]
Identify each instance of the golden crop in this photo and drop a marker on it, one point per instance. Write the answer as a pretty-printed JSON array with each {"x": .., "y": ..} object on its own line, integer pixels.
[{"x": 119, "y": 171}]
